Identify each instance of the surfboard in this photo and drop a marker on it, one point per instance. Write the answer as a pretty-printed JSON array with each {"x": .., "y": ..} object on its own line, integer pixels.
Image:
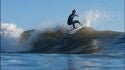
[{"x": 75, "y": 30}]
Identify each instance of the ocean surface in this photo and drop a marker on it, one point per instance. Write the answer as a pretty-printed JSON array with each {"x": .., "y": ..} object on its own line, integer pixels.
[{"x": 36, "y": 61}]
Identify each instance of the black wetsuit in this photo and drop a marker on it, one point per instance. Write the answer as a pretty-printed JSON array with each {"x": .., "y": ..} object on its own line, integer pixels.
[{"x": 71, "y": 21}]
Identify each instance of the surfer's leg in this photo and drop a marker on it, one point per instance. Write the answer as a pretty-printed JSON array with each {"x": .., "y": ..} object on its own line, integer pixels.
[
  {"x": 76, "y": 21},
  {"x": 74, "y": 25}
]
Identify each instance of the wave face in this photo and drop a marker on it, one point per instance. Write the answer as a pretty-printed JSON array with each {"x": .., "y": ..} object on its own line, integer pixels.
[
  {"x": 85, "y": 40},
  {"x": 58, "y": 39}
]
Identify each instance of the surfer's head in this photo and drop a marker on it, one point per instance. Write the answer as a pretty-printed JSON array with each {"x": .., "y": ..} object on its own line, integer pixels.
[{"x": 73, "y": 11}]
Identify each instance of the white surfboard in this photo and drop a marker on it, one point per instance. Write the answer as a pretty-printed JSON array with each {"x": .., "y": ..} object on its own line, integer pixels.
[{"x": 75, "y": 30}]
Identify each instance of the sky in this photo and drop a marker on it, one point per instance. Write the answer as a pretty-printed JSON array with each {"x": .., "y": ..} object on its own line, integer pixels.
[{"x": 29, "y": 14}]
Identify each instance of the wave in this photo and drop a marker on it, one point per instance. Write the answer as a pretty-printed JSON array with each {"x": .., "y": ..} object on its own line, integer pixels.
[
  {"x": 59, "y": 39},
  {"x": 10, "y": 38},
  {"x": 86, "y": 40}
]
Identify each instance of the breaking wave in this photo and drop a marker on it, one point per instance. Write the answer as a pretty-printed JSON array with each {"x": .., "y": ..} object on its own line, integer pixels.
[
  {"x": 56, "y": 39},
  {"x": 10, "y": 38}
]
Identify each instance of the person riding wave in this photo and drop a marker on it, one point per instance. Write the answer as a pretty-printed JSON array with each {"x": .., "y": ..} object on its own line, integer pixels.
[{"x": 71, "y": 17}]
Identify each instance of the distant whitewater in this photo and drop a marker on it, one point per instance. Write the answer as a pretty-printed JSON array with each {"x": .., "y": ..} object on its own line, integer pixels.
[{"x": 58, "y": 40}]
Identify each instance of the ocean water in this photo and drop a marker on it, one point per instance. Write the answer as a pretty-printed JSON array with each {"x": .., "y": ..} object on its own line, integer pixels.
[{"x": 36, "y": 61}]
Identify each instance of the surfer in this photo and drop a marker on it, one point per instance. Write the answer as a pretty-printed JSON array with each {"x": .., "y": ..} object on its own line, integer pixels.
[{"x": 71, "y": 17}]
